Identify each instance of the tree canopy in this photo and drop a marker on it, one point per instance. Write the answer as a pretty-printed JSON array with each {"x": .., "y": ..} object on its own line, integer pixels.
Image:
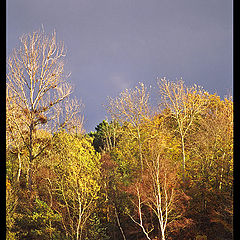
[{"x": 150, "y": 172}]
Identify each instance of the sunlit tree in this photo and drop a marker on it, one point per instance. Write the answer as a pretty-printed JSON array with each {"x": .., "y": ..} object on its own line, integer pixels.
[
  {"x": 185, "y": 104},
  {"x": 132, "y": 108},
  {"x": 159, "y": 191},
  {"x": 36, "y": 85},
  {"x": 77, "y": 168}
]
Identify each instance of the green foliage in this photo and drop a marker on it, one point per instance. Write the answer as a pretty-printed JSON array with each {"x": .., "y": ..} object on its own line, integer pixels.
[
  {"x": 44, "y": 218},
  {"x": 99, "y": 137},
  {"x": 96, "y": 230},
  {"x": 36, "y": 221},
  {"x": 105, "y": 136},
  {"x": 11, "y": 203}
]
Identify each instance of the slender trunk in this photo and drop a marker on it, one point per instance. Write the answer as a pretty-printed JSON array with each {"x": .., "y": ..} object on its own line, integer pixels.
[
  {"x": 109, "y": 139},
  {"x": 79, "y": 218},
  {"x": 30, "y": 177},
  {"x": 183, "y": 156},
  {"x": 114, "y": 138},
  {"x": 140, "y": 150},
  {"x": 51, "y": 203},
  {"x": 140, "y": 223},
  {"x": 20, "y": 167},
  {"x": 119, "y": 225},
  {"x": 30, "y": 156},
  {"x": 221, "y": 176},
  {"x": 68, "y": 211},
  {"x": 160, "y": 191},
  {"x": 140, "y": 216},
  {"x": 221, "y": 179},
  {"x": 108, "y": 146},
  {"x": 160, "y": 213}
]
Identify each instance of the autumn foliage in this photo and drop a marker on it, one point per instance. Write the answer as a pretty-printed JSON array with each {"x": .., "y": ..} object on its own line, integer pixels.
[{"x": 151, "y": 172}]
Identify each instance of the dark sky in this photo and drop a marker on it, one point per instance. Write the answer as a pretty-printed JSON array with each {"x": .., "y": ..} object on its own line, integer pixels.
[{"x": 114, "y": 44}]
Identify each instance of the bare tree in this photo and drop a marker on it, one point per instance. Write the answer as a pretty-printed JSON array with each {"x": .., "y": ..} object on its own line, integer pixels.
[
  {"x": 67, "y": 115},
  {"x": 132, "y": 106},
  {"x": 158, "y": 192},
  {"x": 37, "y": 84},
  {"x": 185, "y": 103},
  {"x": 139, "y": 220},
  {"x": 162, "y": 195}
]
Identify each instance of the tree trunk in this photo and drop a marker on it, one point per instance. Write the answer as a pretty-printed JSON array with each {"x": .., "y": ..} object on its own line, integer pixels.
[
  {"x": 140, "y": 150},
  {"x": 119, "y": 225},
  {"x": 221, "y": 176},
  {"x": 30, "y": 156},
  {"x": 184, "y": 157},
  {"x": 20, "y": 167},
  {"x": 79, "y": 218}
]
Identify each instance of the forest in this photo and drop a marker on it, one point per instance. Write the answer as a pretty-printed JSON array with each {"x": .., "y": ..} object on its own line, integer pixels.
[{"x": 156, "y": 172}]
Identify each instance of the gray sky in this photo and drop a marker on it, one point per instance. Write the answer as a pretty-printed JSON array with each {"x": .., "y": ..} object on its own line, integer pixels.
[{"x": 114, "y": 44}]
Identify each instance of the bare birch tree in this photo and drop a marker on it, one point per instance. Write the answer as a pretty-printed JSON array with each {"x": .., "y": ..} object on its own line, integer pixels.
[
  {"x": 37, "y": 83},
  {"x": 132, "y": 106},
  {"x": 185, "y": 103},
  {"x": 158, "y": 192},
  {"x": 162, "y": 196}
]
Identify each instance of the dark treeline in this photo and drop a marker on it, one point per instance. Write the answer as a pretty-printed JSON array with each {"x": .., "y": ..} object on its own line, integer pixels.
[{"x": 150, "y": 172}]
